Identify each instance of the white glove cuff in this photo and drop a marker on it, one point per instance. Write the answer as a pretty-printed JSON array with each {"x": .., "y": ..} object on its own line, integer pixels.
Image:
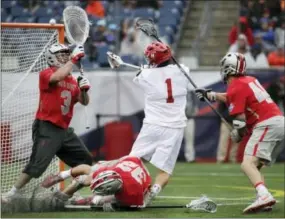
[
  {"x": 238, "y": 124},
  {"x": 212, "y": 96}
]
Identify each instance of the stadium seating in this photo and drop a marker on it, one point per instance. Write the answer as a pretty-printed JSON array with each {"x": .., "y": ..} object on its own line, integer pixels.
[
  {"x": 44, "y": 19},
  {"x": 8, "y": 4},
  {"x": 168, "y": 22},
  {"x": 24, "y": 19},
  {"x": 43, "y": 12},
  {"x": 102, "y": 58},
  {"x": 144, "y": 13}
]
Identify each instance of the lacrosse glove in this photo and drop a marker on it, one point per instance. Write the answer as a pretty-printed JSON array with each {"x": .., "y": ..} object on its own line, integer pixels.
[{"x": 203, "y": 93}]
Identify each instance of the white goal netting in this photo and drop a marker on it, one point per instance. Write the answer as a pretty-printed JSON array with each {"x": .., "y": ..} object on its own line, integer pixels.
[{"x": 22, "y": 58}]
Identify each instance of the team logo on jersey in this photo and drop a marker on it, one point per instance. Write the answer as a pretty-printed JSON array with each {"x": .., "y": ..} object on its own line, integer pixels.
[{"x": 231, "y": 107}]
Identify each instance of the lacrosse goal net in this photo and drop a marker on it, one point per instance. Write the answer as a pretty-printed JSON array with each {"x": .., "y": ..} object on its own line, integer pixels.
[{"x": 22, "y": 58}]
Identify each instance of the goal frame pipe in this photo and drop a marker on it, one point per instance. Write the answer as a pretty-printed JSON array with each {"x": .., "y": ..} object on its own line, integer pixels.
[{"x": 60, "y": 29}]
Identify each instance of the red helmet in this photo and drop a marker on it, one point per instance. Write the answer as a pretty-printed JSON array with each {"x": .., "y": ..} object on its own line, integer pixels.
[{"x": 157, "y": 53}]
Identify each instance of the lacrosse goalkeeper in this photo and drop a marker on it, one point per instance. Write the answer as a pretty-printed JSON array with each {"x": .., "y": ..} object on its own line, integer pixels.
[
  {"x": 122, "y": 182},
  {"x": 59, "y": 92}
]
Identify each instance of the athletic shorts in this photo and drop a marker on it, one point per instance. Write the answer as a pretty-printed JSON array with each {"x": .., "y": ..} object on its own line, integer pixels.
[
  {"x": 267, "y": 140},
  {"x": 159, "y": 145},
  {"x": 50, "y": 140}
]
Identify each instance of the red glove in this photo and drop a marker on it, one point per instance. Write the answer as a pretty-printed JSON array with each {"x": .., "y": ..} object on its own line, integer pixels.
[{"x": 77, "y": 54}]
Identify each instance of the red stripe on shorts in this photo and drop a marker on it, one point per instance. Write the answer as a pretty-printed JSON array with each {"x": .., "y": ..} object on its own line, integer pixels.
[{"x": 261, "y": 138}]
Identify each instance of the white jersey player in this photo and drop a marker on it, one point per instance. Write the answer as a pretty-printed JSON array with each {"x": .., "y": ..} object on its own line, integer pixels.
[{"x": 165, "y": 89}]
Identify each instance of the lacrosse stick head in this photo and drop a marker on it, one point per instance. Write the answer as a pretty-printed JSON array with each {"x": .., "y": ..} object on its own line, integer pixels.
[
  {"x": 203, "y": 204},
  {"x": 114, "y": 60},
  {"x": 148, "y": 27},
  {"x": 76, "y": 25}
]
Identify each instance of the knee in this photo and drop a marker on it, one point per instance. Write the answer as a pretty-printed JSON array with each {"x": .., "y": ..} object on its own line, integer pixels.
[
  {"x": 34, "y": 173},
  {"x": 249, "y": 161}
]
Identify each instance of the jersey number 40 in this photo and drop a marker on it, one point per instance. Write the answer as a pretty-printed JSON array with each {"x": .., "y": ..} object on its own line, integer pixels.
[{"x": 259, "y": 92}]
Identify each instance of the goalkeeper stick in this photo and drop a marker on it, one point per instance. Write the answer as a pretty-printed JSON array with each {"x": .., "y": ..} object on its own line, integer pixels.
[
  {"x": 148, "y": 27},
  {"x": 77, "y": 29}
]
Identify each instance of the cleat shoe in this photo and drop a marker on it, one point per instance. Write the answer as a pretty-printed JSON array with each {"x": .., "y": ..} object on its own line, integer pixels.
[
  {"x": 51, "y": 180},
  {"x": 262, "y": 202},
  {"x": 266, "y": 209}
]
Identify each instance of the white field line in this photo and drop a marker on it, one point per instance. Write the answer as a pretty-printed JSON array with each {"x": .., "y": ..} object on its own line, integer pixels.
[
  {"x": 243, "y": 201},
  {"x": 195, "y": 197},
  {"x": 225, "y": 174}
]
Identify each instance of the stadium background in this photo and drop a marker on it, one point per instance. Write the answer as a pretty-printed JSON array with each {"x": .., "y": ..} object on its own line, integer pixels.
[{"x": 199, "y": 32}]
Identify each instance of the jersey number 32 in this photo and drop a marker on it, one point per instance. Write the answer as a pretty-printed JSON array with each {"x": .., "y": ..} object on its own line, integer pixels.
[{"x": 136, "y": 171}]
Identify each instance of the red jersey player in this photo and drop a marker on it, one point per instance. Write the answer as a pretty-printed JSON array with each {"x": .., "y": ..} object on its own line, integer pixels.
[
  {"x": 256, "y": 117},
  {"x": 124, "y": 182},
  {"x": 59, "y": 92}
]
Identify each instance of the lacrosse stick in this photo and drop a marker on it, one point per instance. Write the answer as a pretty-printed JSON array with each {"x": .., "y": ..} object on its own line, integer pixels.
[
  {"x": 203, "y": 204},
  {"x": 148, "y": 27},
  {"x": 115, "y": 61},
  {"x": 77, "y": 29}
]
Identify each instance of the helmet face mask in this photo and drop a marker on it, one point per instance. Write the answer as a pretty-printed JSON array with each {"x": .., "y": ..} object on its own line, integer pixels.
[
  {"x": 106, "y": 183},
  {"x": 62, "y": 57},
  {"x": 57, "y": 55},
  {"x": 232, "y": 64}
]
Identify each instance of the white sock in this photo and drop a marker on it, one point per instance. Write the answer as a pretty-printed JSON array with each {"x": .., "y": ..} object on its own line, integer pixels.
[
  {"x": 261, "y": 189},
  {"x": 155, "y": 189},
  {"x": 13, "y": 190},
  {"x": 65, "y": 174}
]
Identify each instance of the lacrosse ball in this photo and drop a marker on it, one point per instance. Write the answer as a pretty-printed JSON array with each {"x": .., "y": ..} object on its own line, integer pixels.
[{"x": 52, "y": 21}]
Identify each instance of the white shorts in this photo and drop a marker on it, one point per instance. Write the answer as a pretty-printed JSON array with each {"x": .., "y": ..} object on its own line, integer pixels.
[
  {"x": 267, "y": 140},
  {"x": 159, "y": 145}
]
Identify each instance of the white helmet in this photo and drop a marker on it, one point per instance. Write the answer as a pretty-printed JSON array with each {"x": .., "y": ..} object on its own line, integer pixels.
[
  {"x": 54, "y": 53},
  {"x": 232, "y": 64},
  {"x": 106, "y": 183}
]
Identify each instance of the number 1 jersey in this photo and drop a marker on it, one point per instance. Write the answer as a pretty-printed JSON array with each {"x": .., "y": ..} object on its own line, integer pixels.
[
  {"x": 246, "y": 95},
  {"x": 165, "y": 91},
  {"x": 57, "y": 101}
]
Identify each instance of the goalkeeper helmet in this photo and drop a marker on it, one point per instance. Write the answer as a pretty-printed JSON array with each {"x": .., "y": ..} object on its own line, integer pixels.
[
  {"x": 232, "y": 64},
  {"x": 157, "y": 53},
  {"x": 57, "y": 55},
  {"x": 106, "y": 183}
]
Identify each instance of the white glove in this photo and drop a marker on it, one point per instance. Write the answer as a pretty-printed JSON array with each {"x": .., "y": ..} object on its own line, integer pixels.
[
  {"x": 83, "y": 83},
  {"x": 77, "y": 54},
  {"x": 108, "y": 207},
  {"x": 201, "y": 93},
  {"x": 97, "y": 200},
  {"x": 235, "y": 136}
]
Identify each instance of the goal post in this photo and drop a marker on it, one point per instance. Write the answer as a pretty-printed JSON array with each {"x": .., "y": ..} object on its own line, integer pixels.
[{"x": 23, "y": 46}]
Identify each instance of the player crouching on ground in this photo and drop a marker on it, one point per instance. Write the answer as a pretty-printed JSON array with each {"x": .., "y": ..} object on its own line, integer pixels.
[
  {"x": 255, "y": 116},
  {"x": 123, "y": 182},
  {"x": 51, "y": 134},
  {"x": 165, "y": 89}
]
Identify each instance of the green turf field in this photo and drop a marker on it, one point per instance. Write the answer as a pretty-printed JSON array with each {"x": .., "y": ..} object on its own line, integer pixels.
[{"x": 222, "y": 182}]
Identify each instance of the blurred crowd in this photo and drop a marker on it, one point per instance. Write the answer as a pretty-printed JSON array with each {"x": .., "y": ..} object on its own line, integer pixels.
[
  {"x": 112, "y": 23},
  {"x": 259, "y": 33}
]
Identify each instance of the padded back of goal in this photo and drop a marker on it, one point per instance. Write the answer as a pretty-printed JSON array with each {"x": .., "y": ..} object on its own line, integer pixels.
[{"x": 118, "y": 137}]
